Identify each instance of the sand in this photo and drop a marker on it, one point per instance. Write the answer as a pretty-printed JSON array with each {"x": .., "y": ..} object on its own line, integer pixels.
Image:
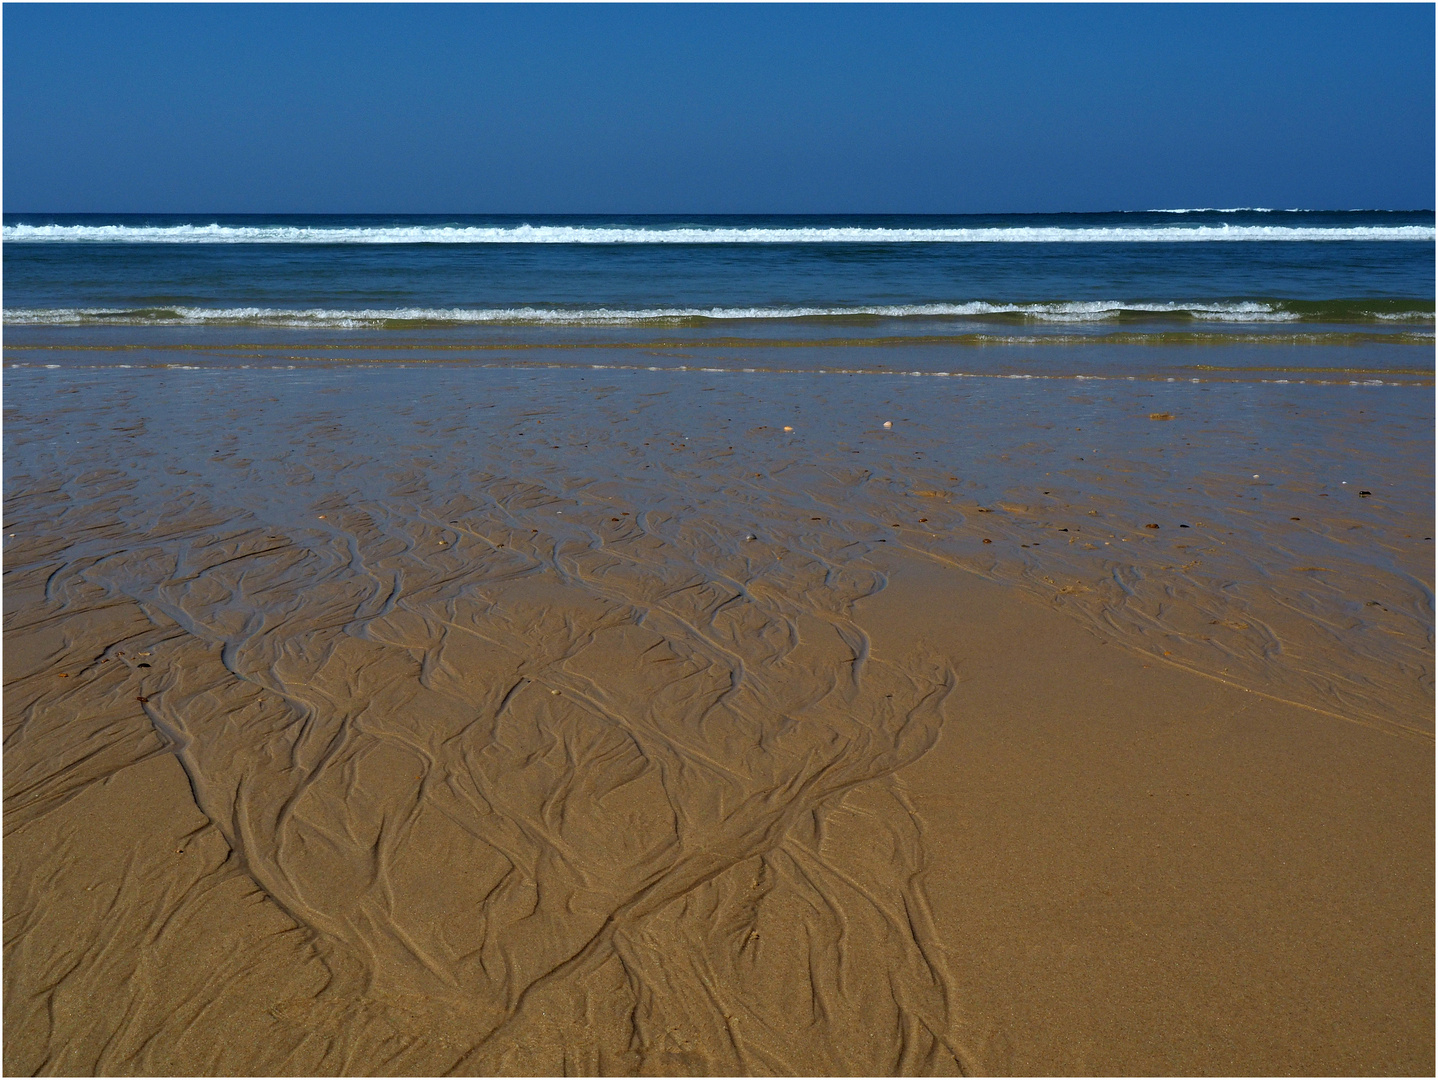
[
  {"x": 1140, "y": 870},
  {"x": 336, "y": 750}
]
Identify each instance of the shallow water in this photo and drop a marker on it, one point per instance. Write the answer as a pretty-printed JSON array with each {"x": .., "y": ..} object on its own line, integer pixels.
[{"x": 1252, "y": 484}]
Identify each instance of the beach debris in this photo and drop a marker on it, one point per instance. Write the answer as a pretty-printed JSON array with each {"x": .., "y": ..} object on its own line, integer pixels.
[
  {"x": 788, "y": 428},
  {"x": 750, "y": 536},
  {"x": 888, "y": 424},
  {"x": 1150, "y": 525},
  {"x": 987, "y": 540},
  {"x": 1364, "y": 494},
  {"x": 1160, "y": 416}
]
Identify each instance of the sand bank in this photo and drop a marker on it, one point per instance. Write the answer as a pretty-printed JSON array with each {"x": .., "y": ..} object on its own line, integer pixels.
[
  {"x": 345, "y": 746},
  {"x": 1103, "y": 864},
  {"x": 1141, "y": 870}
]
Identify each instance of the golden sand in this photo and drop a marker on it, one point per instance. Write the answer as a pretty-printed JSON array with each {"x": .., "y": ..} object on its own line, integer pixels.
[{"x": 540, "y": 779}]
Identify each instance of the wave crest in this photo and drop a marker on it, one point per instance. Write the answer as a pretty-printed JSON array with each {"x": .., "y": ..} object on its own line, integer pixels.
[
  {"x": 1072, "y": 311},
  {"x": 586, "y": 234}
]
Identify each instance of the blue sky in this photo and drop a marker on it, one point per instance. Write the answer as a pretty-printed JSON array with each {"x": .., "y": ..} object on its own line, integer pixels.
[{"x": 690, "y": 109}]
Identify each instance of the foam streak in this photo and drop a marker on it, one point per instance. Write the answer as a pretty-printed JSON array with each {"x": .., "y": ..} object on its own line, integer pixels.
[{"x": 585, "y": 234}]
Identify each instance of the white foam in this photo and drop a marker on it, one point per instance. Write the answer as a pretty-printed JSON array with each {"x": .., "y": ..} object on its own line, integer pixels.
[
  {"x": 602, "y": 234},
  {"x": 1220, "y": 210},
  {"x": 1073, "y": 311}
]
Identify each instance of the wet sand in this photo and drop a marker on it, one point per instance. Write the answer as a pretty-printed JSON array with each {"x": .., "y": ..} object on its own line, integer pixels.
[
  {"x": 430, "y": 744},
  {"x": 1140, "y": 870}
]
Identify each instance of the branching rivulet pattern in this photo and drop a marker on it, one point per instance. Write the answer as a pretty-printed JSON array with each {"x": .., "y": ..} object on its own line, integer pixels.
[{"x": 509, "y": 765}]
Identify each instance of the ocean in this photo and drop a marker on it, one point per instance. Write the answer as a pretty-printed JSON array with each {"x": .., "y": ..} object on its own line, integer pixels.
[{"x": 399, "y": 285}]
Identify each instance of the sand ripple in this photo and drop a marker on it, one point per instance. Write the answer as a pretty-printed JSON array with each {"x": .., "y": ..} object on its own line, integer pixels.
[
  {"x": 525, "y": 724},
  {"x": 608, "y": 770}
]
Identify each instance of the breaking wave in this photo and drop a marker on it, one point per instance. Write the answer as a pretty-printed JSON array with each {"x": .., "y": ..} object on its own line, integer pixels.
[
  {"x": 595, "y": 234},
  {"x": 1072, "y": 311}
]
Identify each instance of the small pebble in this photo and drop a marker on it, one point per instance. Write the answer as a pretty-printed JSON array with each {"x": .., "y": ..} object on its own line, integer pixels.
[{"x": 888, "y": 423}]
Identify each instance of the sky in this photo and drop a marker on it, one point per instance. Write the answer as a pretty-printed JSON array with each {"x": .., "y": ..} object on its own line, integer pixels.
[{"x": 715, "y": 109}]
